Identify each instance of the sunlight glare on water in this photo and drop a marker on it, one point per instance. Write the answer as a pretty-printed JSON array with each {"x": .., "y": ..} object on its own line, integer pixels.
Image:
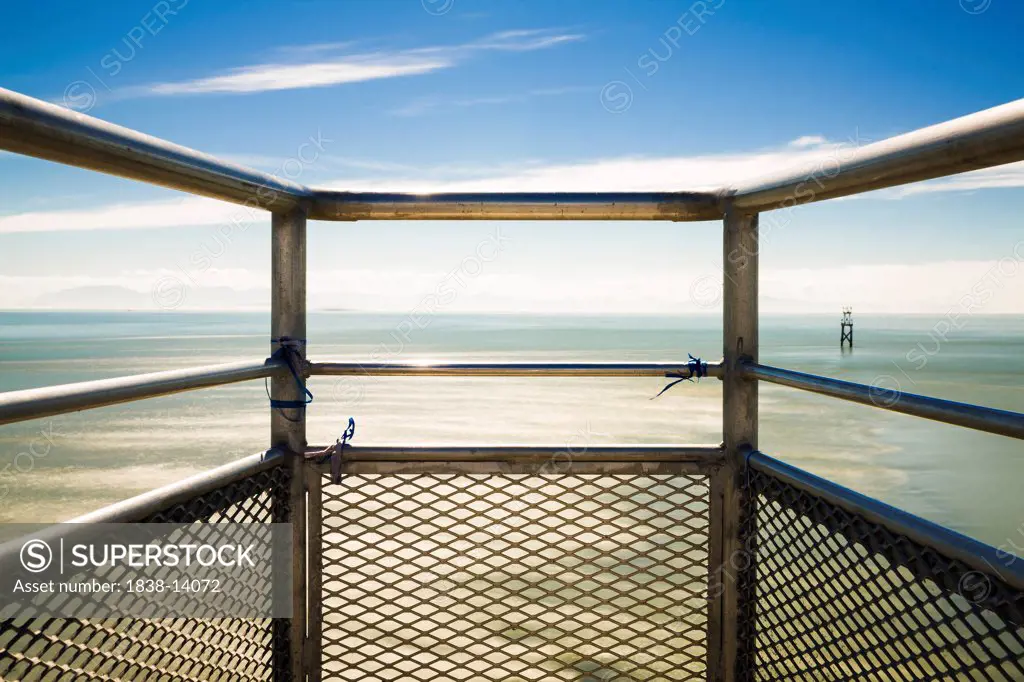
[{"x": 58, "y": 467}]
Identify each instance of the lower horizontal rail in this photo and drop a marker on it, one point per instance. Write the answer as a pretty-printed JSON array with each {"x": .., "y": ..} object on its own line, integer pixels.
[
  {"x": 137, "y": 508},
  {"x": 553, "y": 459},
  {"x": 974, "y": 554},
  {"x": 988, "y": 419},
  {"x": 509, "y": 369},
  {"x": 35, "y": 403}
]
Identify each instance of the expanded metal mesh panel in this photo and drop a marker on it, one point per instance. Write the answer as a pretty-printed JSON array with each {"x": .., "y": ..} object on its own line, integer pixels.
[
  {"x": 51, "y": 649},
  {"x": 829, "y": 595},
  {"x": 515, "y": 577}
]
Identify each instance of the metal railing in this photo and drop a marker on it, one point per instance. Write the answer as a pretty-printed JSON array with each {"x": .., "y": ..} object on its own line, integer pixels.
[
  {"x": 764, "y": 572},
  {"x": 988, "y": 419},
  {"x": 837, "y": 586},
  {"x": 35, "y": 403},
  {"x": 252, "y": 490}
]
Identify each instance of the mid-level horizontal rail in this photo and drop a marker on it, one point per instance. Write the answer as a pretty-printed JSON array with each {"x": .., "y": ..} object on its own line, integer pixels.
[
  {"x": 553, "y": 459},
  {"x": 509, "y": 369},
  {"x": 987, "y": 138},
  {"x": 47, "y": 131},
  {"x": 34, "y": 403},
  {"x": 975, "y": 554},
  {"x": 988, "y": 419},
  {"x": 136, "y": 509},
  {"x": 676, "y": 206}
]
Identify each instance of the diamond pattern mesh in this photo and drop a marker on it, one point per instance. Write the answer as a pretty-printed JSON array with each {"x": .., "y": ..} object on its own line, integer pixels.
[
  {"x": 830, "y": 595},
  {"x": 515, "y": 577},
  {"x": 52, "y": 649}
]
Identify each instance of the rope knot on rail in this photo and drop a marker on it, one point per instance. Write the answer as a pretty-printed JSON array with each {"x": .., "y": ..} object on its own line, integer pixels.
[
  {"x": 289, "y": 351},
  {"x": 334, "y": 452},
  {"x": 695, "y": 367}
]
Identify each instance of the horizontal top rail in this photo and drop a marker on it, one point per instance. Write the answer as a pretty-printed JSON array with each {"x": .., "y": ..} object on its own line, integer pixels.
[
  {"x": 988, "y": 419},
  {"x": 676, "y": 206},
  {"x": 509, "y": 369},
  {"x": 987, "y": 138},
  {"x": 35, "y": 403},
  {"x": 47, "y": 131}
]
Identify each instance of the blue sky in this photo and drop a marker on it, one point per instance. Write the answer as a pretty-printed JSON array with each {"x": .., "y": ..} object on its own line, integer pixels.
[{"x": 473, "y": 94}]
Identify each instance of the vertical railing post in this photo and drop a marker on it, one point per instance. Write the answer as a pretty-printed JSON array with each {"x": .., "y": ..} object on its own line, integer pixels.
[
  {"x": 288, "y": 425},
  {"x": 314, "y": 522},
  {"x": 739, "y": 429}
]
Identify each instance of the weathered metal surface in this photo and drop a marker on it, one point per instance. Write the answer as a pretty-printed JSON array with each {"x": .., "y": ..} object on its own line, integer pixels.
[
  {"x": 288, "y": 425},
  {"x": 503, "y": 576},
  {"x": 981, "y": 140},
  {"x": 47, "y": 131},
  {"x": 288, "y": 324},
  {"x": 185, "y": 649},
  {"x": 1002, "y": 422},
  {"x": 954, "y": 546},
  {"x": 314, "y": 523},
  {"x": 676, "y": 206},
  {"x": 34, "y": 403},
  {"x": 535, "y": 459},
  {"x": 841, "y": 586},
  {"x": 739, "y": 424},
  {"x": 509, "y": 369}
]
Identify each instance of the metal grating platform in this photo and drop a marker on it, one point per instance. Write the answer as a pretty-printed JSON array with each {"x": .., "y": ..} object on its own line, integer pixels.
[{"x": 435, "y": 576}]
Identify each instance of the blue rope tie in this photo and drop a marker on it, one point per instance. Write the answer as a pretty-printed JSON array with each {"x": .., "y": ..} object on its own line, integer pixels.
[
  {"x": 335, "y": 453},
  {"x": 289, "y": 352},
  {"x": 695, "y": 367},
  {"x": 341, "y": 443}
]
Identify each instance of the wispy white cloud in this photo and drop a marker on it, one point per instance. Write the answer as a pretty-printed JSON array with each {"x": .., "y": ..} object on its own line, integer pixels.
[
  {"x": 524, "y": 40},
  {"x": 266, "y": 77},
  {"x": 702, "y": 172},
  {"x": 667, "y": 173},
  {"x": 326, "y": 162},
  {"x": 312, "y": 48},
  {"x": 354, "y": 68},
  {"x": 133, "y": 216},
  {"x": 808, "y": 141},
  {"x": 424, "y": 105},
  {"x": 1010, "y": 175},
  {"x": 639, "y": 173}
]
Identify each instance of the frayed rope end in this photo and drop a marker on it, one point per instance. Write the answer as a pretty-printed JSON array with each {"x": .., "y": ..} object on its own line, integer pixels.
[{"x": 695, "y": 368}]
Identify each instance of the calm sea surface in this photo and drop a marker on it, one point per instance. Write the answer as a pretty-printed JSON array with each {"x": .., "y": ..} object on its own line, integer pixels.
[{"x": 59, "y": 467}]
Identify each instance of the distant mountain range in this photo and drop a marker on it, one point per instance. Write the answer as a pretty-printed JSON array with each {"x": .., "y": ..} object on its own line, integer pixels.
[{"x": 175, "y": 296}]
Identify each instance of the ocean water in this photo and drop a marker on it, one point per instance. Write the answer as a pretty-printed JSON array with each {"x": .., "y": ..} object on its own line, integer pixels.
[{"x": 59, "y": 467}]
